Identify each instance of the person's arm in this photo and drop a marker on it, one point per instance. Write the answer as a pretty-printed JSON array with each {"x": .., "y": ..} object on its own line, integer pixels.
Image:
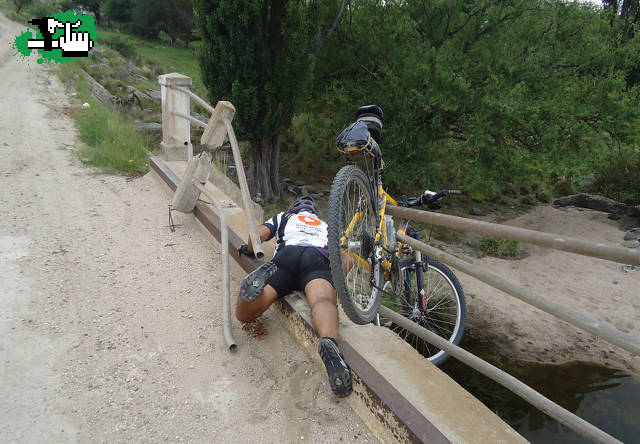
[
  {"x": 266, "y": 231},
  {"x": 347, "y": 262},
  {"x": 265, "y": 234}
]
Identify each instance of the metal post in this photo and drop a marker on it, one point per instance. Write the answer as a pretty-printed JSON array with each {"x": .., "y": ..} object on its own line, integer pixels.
[
  {"x": 224, "y": 243},
  {"x": 578, "y": 425},
  {"x": 574, "y": 318},
  {"x": 246, "y": 197},
  {"x": 599, "y": 250}
]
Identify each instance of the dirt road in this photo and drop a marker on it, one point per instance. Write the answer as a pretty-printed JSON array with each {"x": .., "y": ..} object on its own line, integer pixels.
[{"x": 110, "y": 325}]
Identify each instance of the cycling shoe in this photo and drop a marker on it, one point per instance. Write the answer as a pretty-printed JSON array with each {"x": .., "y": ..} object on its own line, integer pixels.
[
  {"x": 256, "y": 280},
  {"x": 337, "y": 369}
]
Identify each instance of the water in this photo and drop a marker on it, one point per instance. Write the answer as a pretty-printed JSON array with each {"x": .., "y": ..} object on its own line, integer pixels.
[{"x": 607, "y": 398}]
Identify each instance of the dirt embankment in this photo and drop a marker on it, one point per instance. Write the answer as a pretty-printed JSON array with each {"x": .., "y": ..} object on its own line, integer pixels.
[{"x": 601, "y": 289}]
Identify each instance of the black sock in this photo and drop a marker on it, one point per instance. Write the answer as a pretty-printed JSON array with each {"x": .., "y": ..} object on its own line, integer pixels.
[{"x": 332, "y": 340}]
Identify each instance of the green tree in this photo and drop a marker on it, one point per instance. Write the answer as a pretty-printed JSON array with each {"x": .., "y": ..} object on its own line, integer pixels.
[
  {"x": 478, "y": 94},
  {"x": 175, "y": 17},
  {"x": 257, "y": 54},
  {"x": 118, "y": 11}
]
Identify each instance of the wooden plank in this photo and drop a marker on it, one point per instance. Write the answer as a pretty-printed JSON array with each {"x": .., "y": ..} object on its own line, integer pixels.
[{"x": 216, "y": 131}]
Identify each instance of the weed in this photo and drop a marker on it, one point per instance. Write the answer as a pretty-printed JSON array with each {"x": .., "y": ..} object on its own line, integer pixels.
[
  {"x": 544, "y": 196},
  {"x": 494, "y": 246},
  {"x": 563, "y": 187}
]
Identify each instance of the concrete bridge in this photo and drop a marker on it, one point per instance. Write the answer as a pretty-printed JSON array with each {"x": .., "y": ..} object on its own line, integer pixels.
[{"x": 400, "y": 395}]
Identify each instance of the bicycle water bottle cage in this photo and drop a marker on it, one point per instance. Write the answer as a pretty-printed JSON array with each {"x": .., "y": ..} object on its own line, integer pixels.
[{"x": 356, "y": 143}]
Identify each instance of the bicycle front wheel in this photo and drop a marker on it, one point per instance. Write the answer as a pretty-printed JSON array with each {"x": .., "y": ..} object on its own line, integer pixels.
[
  {"x": 440, "y": 307},
  {"x": 352, "y": 224}
]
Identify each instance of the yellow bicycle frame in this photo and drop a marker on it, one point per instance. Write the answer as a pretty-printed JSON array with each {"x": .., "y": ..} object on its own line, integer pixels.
[{"x": 383, "y": 198}]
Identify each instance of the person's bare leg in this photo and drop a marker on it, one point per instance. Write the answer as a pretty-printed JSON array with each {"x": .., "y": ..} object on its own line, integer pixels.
[
  {"x": 248, "y": 311},
  {"x": 324, "y": 314},
  {"x": 324, "y": 310}
]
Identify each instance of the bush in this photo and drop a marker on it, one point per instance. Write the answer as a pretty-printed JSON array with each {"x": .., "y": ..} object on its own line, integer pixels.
[
  {"x": 617, "y": 176},
  {"x": 120, "y": 44},
  {"x": 309, "y": 145},
  {"x": 494, "y": 246},
  {"x": 165, "y": 38}
]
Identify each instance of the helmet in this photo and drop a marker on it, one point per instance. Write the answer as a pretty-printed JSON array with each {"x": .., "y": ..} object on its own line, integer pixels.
[
  {"x": 303, "y": 203},
  {"x": 373, "y": 116}
]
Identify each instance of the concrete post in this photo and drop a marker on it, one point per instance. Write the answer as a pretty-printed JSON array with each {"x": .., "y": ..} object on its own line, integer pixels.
[{"x": 176, "y": 131}]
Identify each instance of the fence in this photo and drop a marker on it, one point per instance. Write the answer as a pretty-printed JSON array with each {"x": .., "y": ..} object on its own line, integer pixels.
[
  {"x": 576, "y": 319},
  {"x": 176, "y": 145}
]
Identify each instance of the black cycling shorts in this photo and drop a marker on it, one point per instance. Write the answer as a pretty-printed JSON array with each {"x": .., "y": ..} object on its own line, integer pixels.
[{"x": 297, "y": 266}]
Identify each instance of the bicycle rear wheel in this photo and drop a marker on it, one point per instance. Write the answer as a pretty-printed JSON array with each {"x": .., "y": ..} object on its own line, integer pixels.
[
  {"x": 444, "y": 312},
  {"x": 351, "y": 236}
]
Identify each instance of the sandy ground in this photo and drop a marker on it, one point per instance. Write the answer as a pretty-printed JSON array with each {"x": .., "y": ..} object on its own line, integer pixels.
[
  {"x": 110, "y": 324},
  {"x": 597, "y": 288}
]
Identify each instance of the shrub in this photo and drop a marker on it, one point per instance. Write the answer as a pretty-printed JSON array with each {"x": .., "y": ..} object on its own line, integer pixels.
[
  {"x": 120, "y": 44},
  {"x": 494, "y": 246},
  {"x": 165, "y": 38},
  {"x": 617, "y": 176}
]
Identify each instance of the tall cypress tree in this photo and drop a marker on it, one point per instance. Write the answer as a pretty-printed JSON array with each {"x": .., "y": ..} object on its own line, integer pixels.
[{"x": 257, "y": 54}]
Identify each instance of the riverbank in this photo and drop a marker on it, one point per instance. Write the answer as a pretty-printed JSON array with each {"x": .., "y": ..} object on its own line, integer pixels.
[{"x": 604, "y": 290}]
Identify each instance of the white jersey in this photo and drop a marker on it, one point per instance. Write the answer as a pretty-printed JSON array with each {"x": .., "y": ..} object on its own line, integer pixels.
[{"x": 303, "y": 229}]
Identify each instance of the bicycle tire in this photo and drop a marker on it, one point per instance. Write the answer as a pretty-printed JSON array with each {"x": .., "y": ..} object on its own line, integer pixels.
[
  {"x": 351, "y": 190},
  {"x": 434, "y": 320}
]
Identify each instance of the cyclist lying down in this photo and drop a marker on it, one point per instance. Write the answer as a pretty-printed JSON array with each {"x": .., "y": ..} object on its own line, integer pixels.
[{"x": 301, "y": 263}]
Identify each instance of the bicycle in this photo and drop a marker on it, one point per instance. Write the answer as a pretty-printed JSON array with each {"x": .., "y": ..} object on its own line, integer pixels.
[{"x": 368, "y": 265}]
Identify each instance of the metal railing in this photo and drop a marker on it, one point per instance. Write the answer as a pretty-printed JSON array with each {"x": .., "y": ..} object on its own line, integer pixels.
[
  {"x": 176, "y": 144},
  {"x": 598, "y": 328}
]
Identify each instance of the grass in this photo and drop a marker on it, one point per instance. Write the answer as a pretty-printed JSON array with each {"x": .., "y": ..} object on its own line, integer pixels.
[
  {"x": 161, "y": 57},
  {"x": 112, "y": 143},
  {"x": 496, "y": 247}
]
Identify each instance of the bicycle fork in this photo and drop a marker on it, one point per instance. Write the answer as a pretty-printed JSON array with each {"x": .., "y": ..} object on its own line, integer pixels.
[
  {"x": 417, "y": 301},
  {"x": 422, "y": 295}
]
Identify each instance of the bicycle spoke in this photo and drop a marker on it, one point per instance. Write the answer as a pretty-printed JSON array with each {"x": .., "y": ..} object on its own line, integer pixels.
[{"x": 441, "y": 280}]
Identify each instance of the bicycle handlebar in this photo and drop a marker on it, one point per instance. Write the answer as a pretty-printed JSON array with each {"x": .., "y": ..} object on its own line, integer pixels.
[{"x": 429, "y": 198}]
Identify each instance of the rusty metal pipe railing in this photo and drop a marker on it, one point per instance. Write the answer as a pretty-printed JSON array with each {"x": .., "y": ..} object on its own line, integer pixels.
[
  {"x": 195, "y": 97},
  {"x": 193, "y": 120},
  {"x": 574, "y": 318},
  {"x": 224, "y": 252},
  {"x": 575, "y": 423},
  {"x": 578, "y": 246},
  {"x": 246, "y": 197}
]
